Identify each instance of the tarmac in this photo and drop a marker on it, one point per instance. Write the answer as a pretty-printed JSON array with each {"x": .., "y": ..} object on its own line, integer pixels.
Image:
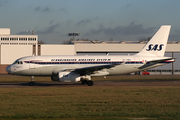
[
  {"x": 128, "y": 81},
  {"x": 96, "y": 84}
]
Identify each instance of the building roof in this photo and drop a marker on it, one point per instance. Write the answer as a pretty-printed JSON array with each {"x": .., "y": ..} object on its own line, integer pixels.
[{"x": 115, "y": 42}]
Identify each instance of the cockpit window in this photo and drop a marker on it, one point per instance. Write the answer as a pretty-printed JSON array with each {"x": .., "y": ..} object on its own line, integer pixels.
[
  {"x": 18, "y": 62},
  {"x": 15, "y": 62}
]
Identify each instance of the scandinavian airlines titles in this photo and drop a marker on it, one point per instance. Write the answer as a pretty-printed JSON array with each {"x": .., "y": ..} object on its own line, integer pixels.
[{"x": 80, "y": 59}]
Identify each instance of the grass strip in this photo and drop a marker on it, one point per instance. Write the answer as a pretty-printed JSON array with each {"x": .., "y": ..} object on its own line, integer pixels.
[{"x": 90, "y": 103}]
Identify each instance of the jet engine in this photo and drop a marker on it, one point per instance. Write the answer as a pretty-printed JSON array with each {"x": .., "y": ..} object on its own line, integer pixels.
[{"x": 66, "y": 77}]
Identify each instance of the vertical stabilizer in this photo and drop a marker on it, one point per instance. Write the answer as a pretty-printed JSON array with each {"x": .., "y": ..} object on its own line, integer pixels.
[{"x": 157, "y": 45}]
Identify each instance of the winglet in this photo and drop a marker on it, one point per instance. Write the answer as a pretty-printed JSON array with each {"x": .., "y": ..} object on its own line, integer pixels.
[{"x": 157, "y": 45}]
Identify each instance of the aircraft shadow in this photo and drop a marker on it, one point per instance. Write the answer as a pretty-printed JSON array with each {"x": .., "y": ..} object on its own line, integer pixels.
[{"x": 45, "y": 84}]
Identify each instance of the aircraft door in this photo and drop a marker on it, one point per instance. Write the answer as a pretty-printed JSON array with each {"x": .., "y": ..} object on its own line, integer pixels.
[
  {"x": 136, "y": 62},
  {"x": 32, "y": 64}
]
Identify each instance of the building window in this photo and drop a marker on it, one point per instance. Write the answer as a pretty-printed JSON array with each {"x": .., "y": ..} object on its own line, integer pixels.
[
  {"x": 13, "y": 38},
  {"x": 13, "y": 43},
  {"x": 22, "y": 43},
  {"x": 39, "y": 49},
  {"x": 4, "y": 38},
  {"x": 23, "y": 39},
  {"x": 4, "y": 43},
  {"x": 34, "y": 49},
  {"x": 32, "y": 39}
]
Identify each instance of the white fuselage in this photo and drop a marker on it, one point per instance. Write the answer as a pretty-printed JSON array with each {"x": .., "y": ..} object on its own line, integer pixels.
[{"x": 48, "y": 65}]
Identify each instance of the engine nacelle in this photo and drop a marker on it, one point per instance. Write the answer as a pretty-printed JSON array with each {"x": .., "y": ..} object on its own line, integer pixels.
[{"x": 66, "y": 77}]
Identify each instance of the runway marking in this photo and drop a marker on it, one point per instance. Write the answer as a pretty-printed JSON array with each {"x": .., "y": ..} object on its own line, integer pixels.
[{"x": 141, "y": 118}]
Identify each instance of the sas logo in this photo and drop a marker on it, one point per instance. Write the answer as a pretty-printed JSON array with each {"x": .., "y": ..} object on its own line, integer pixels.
[{"x": 157, "y": 47}]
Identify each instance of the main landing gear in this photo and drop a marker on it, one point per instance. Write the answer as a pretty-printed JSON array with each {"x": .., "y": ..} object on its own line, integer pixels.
[
  {"x": 88, "y": 82},
  {"x": 31, "y": 83},
  {"x": 83, "y": 81}
]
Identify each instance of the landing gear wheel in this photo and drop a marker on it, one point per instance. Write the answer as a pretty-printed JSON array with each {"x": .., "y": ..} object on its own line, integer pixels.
[
  {"x": 31, "y": 83},
  {"x": 84, "y": 82},
  {"x": 90, "y": 83}
]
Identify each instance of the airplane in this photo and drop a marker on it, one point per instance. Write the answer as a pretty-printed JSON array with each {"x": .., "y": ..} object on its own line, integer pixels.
[{"x": 82, "y": 68}]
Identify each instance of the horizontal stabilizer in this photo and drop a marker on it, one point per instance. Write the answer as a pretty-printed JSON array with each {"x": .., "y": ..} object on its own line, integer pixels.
[{"x": 154, "y": 62}]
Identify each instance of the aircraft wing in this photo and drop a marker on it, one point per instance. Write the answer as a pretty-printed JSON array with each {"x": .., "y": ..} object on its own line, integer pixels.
[
  {"x": 91, "y": 70},
  {"x": 153, "y": 62}
]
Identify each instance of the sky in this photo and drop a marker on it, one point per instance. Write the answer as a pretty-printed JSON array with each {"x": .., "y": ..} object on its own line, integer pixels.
[{"x": 120, "y": 20}]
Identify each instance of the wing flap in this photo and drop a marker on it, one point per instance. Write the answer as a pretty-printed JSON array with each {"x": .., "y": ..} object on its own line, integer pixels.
[{"x": 91, "y": 70}]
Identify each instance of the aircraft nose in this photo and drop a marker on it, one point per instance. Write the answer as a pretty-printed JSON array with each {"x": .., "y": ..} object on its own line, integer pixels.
[{"x": 8, "y": 69}]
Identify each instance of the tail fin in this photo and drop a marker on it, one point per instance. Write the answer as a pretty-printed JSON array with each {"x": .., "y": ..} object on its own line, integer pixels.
[{"x": 157, "y": 45}]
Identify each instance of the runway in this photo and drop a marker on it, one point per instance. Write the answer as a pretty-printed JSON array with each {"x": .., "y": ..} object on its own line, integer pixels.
[
  {"x": 121, "y": 80},
  {"x": 96, "y": 84}
]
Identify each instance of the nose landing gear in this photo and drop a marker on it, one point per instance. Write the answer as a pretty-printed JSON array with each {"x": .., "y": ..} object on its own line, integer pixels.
[{"x": 32, "y": 79}]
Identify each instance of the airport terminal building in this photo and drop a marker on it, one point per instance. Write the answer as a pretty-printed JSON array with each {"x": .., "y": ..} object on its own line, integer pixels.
[{"x": 13, "y": 47}]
